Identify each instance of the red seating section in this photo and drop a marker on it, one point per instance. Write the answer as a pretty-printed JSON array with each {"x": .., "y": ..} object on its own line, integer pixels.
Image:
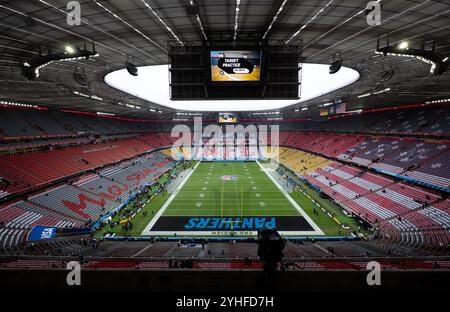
[
  {"x": 26, "y": 171},
  {"x": 326, "y": 144}
]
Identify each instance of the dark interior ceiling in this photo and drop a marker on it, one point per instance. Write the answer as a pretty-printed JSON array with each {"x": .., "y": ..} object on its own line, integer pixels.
[{"x": 137, "y": 29}]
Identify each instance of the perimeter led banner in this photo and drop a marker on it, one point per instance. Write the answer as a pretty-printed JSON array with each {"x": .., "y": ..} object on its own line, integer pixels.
[
  {"x": 237, "y": 66},
  {"x": 39, "y": 232}
]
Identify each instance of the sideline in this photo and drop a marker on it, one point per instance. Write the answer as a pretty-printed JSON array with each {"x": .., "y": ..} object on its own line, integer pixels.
[
  {"x": 317, "y": 230},
  {"x": 147, "y": 229}
]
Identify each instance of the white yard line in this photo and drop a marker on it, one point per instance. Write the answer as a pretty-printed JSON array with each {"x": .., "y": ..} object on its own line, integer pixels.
[
  {"x": 147, "y": 229},
  {"x": 317, "y": 231}
]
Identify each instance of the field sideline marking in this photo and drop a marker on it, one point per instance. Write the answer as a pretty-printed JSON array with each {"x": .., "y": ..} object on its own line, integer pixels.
[
  {"x": 167, "y": 203},
  {"x": 293, "y": 202}
]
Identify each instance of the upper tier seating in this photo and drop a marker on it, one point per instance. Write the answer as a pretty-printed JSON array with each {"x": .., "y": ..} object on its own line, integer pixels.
[
  {"x": 422, "y": 160},
  {"x": 25, "y": 171},
  {"x": 24, "y": 122},
  {"x": 435, "y": 171},
  {"x": 427, "y": 162},
  {"x": 327, "y": 144},
  {"x": 431, "y": 120}
]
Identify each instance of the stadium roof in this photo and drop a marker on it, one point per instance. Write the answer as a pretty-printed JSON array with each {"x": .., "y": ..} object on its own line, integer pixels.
[{"x": 140, "y": 29}]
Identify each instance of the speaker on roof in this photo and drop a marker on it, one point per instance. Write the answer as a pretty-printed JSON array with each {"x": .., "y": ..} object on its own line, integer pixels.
[
  {"x": 79, "y": 76},
  {"x": 131, "y": 68},
  {"x": 335, "y": 66},
  {"x": 29, "y": 21},
  {"x": 387, "y": 75},
  {"x": 192, "y": 9}
]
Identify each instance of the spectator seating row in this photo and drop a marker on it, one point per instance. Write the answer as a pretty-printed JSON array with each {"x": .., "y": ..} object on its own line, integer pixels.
[
  {"x": 30, "y": 122},
  {"x": 26, "y": 171},
  {"x": 75, "y": 203},
  {"x": 427, "y": 162},
  {"x": 425, "y": 120},
  {"x": 409, "y": 213},
  {"x": 421, "y": 160}
]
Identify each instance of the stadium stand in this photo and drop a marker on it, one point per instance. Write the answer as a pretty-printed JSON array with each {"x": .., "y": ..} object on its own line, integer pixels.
[
  {"x": 351, "y": 169},
  {"x": 398, "y": 208},
  {"x": 421, "y": 160},
  {"x": 29, "y": 170},
  {"x": 430, "y": 120},
  {"x": 80, "y": 201}
]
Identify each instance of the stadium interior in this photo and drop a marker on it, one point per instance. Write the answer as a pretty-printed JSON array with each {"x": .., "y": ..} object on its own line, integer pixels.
[{"x": 344, "y": 159}]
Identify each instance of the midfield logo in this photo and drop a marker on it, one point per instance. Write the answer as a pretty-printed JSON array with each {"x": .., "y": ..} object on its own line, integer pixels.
[{"x": 229, "y": 178}]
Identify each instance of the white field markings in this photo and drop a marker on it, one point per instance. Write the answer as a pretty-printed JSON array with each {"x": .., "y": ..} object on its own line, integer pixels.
[
  {"x": 194, "y": 200},
  {"x": 147, "y": 229},
  {"x": 317, "y": 230},
  {"x": 266, "y": 210}
]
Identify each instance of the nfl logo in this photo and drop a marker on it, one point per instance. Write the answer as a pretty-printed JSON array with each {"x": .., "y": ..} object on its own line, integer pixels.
[{"x": 229, "y": 178}]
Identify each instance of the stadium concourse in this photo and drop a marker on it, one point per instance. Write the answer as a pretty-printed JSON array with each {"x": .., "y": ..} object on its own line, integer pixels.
[{"x": 174, "y": 140}]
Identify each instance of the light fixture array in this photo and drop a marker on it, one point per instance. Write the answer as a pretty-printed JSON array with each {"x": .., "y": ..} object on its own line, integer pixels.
[
  {"x": 129, "y": 25},
  {"x": 438, "y": 101},
  {"x": 10, "y": 103},
  {"x": 153, "y": 110},
  {"x": 266, "y": 113},
  {"x": 373, "y": 93},
  {"x": 439, "y": 64},
  {"x": 189, "y": 114},
  {"x": 93, "y": 96},
  {"x": 236, "y": 19},
  {"x": 162, "y": 22},
  {"x": 308, "y": 22},
  {"x": 31, "y": 68},
  {"x": 275, "y": 118},
  {"x": 274, "y": 19},
  {"x": 199, "y": 21},
  {"x": 105, "y": 114}
]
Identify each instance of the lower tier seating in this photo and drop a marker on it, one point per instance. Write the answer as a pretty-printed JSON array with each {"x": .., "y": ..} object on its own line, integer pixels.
[{"x": 75, "y": 203}]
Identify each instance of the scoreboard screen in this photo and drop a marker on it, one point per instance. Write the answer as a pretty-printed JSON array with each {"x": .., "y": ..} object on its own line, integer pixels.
[
  {"x": 237, "y": 66},
  {"x": 227, "y": 118}
]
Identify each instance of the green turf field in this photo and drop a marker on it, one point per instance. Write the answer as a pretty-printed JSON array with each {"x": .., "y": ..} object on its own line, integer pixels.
[
  {"x": 219, "y": 197},
  {"x": 252, "y": 193},
  {"x": 208, "y": 194}
]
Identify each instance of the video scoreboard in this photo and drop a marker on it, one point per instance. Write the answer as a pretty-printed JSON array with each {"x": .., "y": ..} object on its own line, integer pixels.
[
  {"x": 234, "y": 71},
  {"x": 227, "y": 118},
  {"x": 235, "y": 65}
]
